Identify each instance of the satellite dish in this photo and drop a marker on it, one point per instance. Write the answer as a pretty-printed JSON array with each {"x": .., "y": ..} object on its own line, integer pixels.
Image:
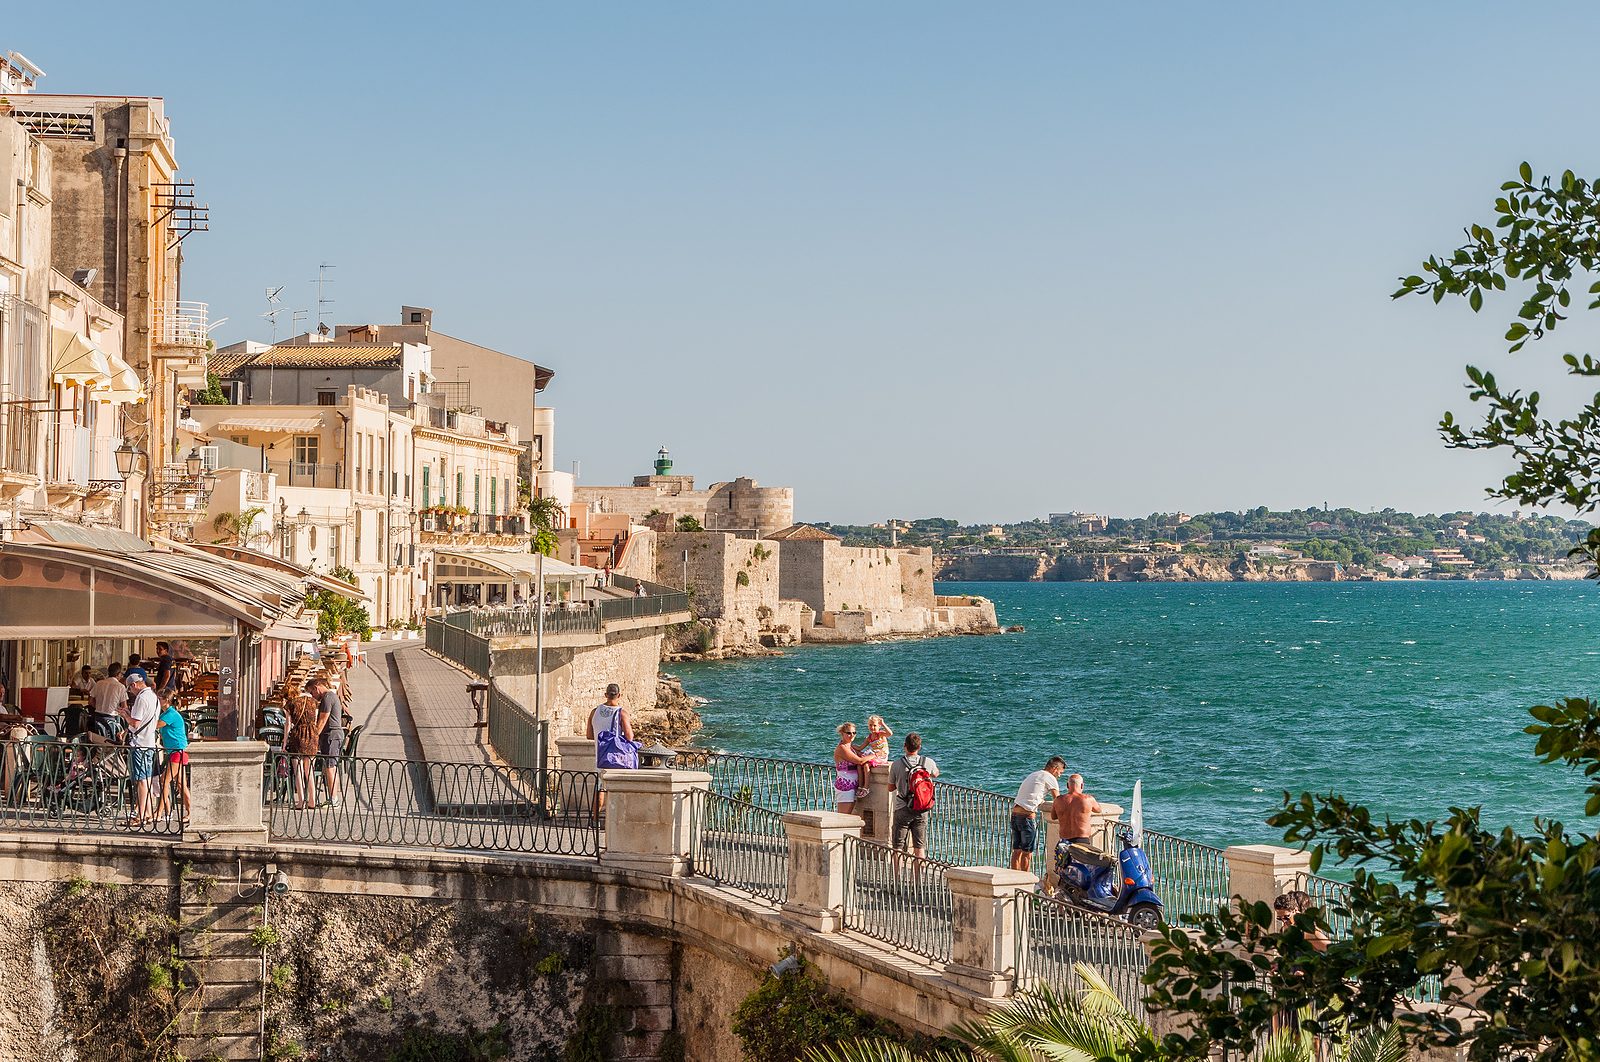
[{"x": 1136, "y": 820}]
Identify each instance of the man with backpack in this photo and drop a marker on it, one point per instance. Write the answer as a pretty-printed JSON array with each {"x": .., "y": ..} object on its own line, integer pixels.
[{"x": 911, "y": 780}]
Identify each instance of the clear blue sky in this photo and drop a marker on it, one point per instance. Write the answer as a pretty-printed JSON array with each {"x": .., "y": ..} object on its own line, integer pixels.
[{"x": 913, "y": 259}]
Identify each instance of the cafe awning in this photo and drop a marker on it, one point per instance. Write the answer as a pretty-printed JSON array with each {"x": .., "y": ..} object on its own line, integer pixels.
[
  {"x": 271, "y": 425},
  {"x": 519, "y": 565},
  {"x": 76, "y": 361}
]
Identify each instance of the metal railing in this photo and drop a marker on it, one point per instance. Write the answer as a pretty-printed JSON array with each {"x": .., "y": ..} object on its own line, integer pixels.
[
  {"x": 456, "y": 644},
  {"x": 180, "y": 324},
  {"x": 306, "y": 474},
  {"x": 777, "y": 785},
  {"x": 433, "y": 805},
  {"x": 72, "y": 786},
  {"x": 516, "y": 736},
  {"x": 1190, "y": 878},
  {"x": 1333, "y": 897},
  {"x": 971, "y": 827},
  {"x": 1051, "y": 936},
  {"x": 19, "y": 443},
  {"x": 739, "y": 844},
  {"x": 898, "y": 899},
  {"x": 653, "y": 605},
  {"x": 525, "y": 621}
]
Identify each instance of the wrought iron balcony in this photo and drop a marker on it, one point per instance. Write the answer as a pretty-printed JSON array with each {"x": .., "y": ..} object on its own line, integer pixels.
[{"x": 181, "y": 324}]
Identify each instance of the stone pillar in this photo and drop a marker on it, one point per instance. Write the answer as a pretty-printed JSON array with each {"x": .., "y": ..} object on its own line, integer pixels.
[
  {"x": 983, "y": 925},
  {"x": 647, "y": 818},
  {"x": 575, "y": 754},
  {"x": 816, "y": 867},
  {"x": 1260, "y": 873},
  {"x": 879, "y": 824},
  {"x": 226, "y": 791}
]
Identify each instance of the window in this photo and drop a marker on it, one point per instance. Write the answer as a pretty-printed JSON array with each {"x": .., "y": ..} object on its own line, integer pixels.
[
  {"x": 477, "y": 489},
  {"x": 383, "y": 464},
  {"x": 324, "y": 398},
  {"x": 494, "y": 495},
  {"x": 311, "y": 543},
  {"x": 358, "y": 536},
  {"x": 408, "y": 486},
  {"x": 307, "y": 449},
  {"x": 242, "y": 440},
  {"x": 334, "y": 559},
  {"x": 508, "y": 495},
  {"x": 461, "y": 486},
  {"x": 210, "y": 458},
  {"x": 394, "y": 483},
  {"x": 416, "y": 318},
  {"x": 426, "y": 493},
  {"x": 369, "y": 464}
]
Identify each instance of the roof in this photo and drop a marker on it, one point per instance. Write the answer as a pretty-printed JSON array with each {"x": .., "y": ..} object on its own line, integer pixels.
[
  {"x": 310, "y": 356},
  {"x": 516, "y": 563},
  {"x": 283, "y": 425},
  {"x": 112, "y": 539},
  {"x": 801, "y": 532}
]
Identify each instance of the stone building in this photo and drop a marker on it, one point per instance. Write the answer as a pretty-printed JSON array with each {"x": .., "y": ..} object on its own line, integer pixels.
[{"x": 742, "y": 505}]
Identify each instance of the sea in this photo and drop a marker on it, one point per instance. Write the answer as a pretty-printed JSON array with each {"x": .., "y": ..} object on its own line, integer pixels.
[{"x": 1407, "y": 696}]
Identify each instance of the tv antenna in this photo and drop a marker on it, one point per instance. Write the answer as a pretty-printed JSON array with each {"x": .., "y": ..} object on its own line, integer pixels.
[
  {"x": 272, "y": 315},
  {"x": 322, "y": 279}
]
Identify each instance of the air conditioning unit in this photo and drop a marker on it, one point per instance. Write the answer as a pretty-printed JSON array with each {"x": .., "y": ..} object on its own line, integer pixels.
[{"x": 428, "y": 523}]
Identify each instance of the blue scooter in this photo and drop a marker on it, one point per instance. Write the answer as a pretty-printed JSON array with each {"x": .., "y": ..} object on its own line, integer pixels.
[{"x": 1121, "y": 886}]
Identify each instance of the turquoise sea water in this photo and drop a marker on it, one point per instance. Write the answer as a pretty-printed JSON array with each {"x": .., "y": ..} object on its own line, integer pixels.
[{"x": 1409, "y": 696}]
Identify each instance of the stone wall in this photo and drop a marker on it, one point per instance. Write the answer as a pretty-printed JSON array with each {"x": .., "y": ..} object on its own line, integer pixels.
[
  {"x": 738, "y": 609},
  {"x": 739, "y": 503},
  {"x": 832, "y": 578},
  {"x": 576, "y": 678}
]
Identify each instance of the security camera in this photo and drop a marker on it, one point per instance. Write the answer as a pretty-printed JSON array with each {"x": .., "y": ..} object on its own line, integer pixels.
[{"x": 280, "y": 883}]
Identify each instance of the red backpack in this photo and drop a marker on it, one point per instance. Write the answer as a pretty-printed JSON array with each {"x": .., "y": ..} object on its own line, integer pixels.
[{"x": 919, "y": 786}]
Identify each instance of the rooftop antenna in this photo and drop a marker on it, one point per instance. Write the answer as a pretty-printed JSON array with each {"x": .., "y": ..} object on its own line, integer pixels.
[
  {"x": 321, "y": 302},
  {"x": 272, "y": 315}
]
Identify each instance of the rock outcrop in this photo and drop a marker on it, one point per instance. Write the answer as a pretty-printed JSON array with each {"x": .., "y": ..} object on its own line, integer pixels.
[
  {"x": 672, "y": 719},
  {"x": 1183, "y": 568}
]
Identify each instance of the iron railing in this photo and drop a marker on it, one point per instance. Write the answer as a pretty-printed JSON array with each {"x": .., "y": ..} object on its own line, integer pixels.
[
  {"x": 19, "y": 438},
  {"x": 433, "y": 805},
  {"x": 618, "y": 608},
  {"x": 1333, "y": 897},
  {"x": 459, "y": 645},
  {"x": 972, "y": 827},
  {"x": 517, "y": 737},
  {"x": 180, "y": 324},
  {"x": 739, "y": 844},
  {"x": 525, "y": 621},
  {"x": 1052, "y": 936},
  {"x": 1190, "y": 878},
  {"x": 777, "y": 785},
  {"x": 898, "y": 898},
  {"x": 74, "y": 786}
]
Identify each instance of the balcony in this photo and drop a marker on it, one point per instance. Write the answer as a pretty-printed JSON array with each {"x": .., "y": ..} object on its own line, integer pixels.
[
  {"x": 306, "y": 474},
  {"x": 181, "y": 325}
]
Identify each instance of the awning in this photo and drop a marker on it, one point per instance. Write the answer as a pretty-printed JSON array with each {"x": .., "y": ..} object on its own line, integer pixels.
[
  {"x": 281, "y": 425},
  {"x": 77, "y": 361},
  {"x": 516, "y": 564},
  {"x": 124, "y": 384}
]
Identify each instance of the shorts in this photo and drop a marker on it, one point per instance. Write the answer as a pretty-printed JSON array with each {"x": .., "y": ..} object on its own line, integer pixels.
[
  {"x": 1024, "y": 833},
  {"x": 1080, "y": 840},
  {"x": 913, "y": 824},
  {"x": 178, "y": 756},
  {"x": 330, "y": 743},
  {"x": 141, "y": 764}
]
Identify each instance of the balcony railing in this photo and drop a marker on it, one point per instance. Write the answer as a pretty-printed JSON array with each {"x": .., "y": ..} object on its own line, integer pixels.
[
  {"x": 181, "y": 324},
  {"x": 306, "y": 474},
  {"x": 19, "y": 438}
]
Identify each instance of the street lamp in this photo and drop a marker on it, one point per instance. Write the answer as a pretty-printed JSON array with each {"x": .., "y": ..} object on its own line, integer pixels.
[
  {"x": 124, "y": 455},
  {"x": 194, "y": 462}
]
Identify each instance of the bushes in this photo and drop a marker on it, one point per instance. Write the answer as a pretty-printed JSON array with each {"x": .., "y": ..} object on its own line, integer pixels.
[{"x": 788, "y": 1015}]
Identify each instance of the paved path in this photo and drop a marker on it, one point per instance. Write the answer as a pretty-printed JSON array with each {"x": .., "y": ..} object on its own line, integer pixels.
[
  {"x": 440, "y": 708},
  {"x": 378, "y": 704}
]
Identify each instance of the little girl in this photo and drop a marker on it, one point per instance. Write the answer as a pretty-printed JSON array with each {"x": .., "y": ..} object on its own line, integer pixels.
[{"x": 875, "y": 750}]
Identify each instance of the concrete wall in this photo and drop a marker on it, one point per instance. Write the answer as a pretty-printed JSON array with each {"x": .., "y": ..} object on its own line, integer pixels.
[{"x": 576, "y": 676}]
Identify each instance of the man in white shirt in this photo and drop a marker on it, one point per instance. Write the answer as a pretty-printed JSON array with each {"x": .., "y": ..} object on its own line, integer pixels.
[
  {"x": 141, "y": 716},
  {"x": 1036, "y": 789},
  {"x": 106, "y": 700}
]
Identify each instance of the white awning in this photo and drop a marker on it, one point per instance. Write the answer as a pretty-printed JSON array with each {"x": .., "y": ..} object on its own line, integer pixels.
[
  {"x": 276, "y": 425},
  {"x": 77, "y": 361},
  {"x": 124, "y": 384}
]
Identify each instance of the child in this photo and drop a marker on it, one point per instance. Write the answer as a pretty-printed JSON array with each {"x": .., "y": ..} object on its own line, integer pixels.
[
  {"x": 174, "y": 735},
  {"x": 875, "y": 748}
]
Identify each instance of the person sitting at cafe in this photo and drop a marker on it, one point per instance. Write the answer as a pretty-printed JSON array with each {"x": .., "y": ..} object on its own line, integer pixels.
[
  {"x": 106, "y": 698},
  {"x": 72, "y": 716},
  {"x": 134, "y": 669}
]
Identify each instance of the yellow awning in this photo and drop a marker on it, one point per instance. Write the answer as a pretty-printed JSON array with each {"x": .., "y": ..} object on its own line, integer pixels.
[
  {"x": 76, "y": 361},
  {"x": 282, "y": 425}
]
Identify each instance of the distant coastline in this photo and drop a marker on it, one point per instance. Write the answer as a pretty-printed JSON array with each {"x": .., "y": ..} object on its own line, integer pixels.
[{"x": 1139, "y": 567}]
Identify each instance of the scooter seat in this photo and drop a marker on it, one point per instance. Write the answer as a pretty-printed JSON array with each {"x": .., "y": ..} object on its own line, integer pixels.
[{"x": 1090, "y": 857}]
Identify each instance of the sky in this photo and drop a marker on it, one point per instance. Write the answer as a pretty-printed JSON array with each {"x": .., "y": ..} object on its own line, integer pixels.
[{"x": 915, "y": 259}]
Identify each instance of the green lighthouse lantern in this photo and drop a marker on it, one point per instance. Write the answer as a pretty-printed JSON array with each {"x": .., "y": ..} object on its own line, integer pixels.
[{"x": 663, "y": 462}]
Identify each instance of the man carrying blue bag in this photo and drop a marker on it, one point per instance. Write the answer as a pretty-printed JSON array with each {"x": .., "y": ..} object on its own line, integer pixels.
[{"x": 612, "y": 732}]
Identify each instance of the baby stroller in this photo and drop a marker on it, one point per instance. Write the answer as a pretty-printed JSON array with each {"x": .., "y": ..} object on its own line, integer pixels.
[{"x": 86, "y": 786}]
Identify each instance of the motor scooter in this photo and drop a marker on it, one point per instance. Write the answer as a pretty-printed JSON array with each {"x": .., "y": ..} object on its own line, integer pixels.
[{"x": 1121, "y": 885}]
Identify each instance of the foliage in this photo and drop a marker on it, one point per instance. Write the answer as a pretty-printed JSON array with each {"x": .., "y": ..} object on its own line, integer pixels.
[
  {"x": 1543, "y": 236},
  {"x": 425, "y": 1044},
  {"x": 213, "y": 394},
  {"x": 1041, "y": 1024},
  {"x": 688, "y": 523},
  {"x": 543, "y": 516},
  {"x": 237, "y": 526},
  {"x": 337, "y": 614},
  {"x": 263, "y": 936},
  {"x": 792, "y": 1016},
  {"x": 591, "y": 1032},
  {"x": 742, "y": 579},
  {"x": 703, "y": 639}
]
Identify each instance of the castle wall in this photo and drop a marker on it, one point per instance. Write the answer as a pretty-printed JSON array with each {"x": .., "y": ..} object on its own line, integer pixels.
[
  {"x": 716, "y": 561},
  {"x": 833, "y": 578}
]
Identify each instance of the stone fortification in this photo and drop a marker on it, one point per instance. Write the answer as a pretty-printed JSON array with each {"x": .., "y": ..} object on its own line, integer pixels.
[
  {"x": 742, "y": 504},
  {"x": 735, "y": 582},
  {"x": 831, "y": 577}
]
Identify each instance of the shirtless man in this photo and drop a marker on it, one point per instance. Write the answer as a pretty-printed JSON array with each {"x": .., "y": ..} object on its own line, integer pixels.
[{"x": 1073, "y": 809}]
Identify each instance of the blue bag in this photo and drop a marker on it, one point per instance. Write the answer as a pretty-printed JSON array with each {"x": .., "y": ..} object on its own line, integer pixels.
[{"x": 611, "y": 749}]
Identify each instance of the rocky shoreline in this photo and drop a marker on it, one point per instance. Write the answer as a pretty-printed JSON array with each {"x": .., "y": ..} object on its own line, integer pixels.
[{"x": 1187, "y": 567}]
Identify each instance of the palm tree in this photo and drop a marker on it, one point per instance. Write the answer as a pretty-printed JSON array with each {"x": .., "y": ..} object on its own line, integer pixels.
[
  {"x": 1037, "y": 1025},
  {"x": 236, "y": 526},
  {"x": 1095, "y": 1024}
]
